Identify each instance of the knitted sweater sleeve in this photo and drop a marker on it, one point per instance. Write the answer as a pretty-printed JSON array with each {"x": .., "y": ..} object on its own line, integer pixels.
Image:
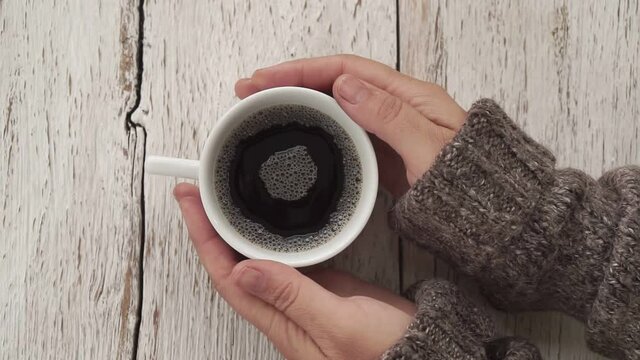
[
  {"x": 449, "y": 326},
  {"x": 535, "y": 237}
]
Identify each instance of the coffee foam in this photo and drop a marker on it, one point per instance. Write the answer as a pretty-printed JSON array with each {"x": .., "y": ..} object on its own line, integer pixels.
[
  {"x": 289, "y": 174},
  {"x": 282, "y": 115}
]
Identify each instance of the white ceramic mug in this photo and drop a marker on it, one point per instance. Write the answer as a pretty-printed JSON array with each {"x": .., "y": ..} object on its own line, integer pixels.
[{"x": 204, "y": 172}]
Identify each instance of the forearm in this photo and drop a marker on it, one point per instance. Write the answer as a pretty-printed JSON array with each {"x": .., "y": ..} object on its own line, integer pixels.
[{"x": 494, "y": 205}]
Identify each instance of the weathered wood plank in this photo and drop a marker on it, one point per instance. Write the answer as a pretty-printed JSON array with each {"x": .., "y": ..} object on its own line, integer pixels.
[
  {"x": 193, "y": 53},
  {"x": 70, "y": 228},
  {"x": 565, "y": 70}
]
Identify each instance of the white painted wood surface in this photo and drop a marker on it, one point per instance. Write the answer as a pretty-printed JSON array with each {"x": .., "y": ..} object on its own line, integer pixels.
[
  {"x": 71, "y": 178},
  {"x": 567, "y": 71},
  {"x": 193, "y": 54}
]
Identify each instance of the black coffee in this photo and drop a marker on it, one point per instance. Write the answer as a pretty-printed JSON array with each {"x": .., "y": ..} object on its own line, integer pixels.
[{"x": 288, "y": 178}]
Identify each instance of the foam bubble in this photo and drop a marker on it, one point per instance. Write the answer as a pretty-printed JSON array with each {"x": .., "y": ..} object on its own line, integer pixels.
[
  {"x": 289, "y": 174},
  {"x": 282, "y": 115}
]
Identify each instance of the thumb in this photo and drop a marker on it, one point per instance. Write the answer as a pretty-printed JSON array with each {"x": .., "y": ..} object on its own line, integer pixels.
[
  {"x": 303, "y": 301},
  {"x": 415, "y": 138}
]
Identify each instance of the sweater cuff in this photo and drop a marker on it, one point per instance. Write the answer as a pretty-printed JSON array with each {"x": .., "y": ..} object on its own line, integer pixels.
[
  {"x": 481, "y": 186},
  {"x": 613, "y": 325},
  {"x": 446, "y": 326}
]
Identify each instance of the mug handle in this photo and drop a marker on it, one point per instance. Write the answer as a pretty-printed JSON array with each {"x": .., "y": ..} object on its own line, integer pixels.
[{"x": 183, "y": 168}]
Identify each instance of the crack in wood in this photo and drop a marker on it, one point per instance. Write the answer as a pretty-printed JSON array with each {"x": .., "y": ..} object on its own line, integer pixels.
[{"x": 132, "y": 128}]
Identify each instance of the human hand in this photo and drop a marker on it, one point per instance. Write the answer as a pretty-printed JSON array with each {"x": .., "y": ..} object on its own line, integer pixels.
[
  {"x": 412, "y": 118},
  {"x": 320, "y": 315}
]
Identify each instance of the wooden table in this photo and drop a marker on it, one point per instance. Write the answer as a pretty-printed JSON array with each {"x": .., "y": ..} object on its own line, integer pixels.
[{"x": 94, "y": 258}]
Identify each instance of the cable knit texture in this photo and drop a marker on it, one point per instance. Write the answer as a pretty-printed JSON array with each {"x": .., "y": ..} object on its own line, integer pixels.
[
  {"x": 534, "y": 237},
  {"x": 449, "y": 326}
]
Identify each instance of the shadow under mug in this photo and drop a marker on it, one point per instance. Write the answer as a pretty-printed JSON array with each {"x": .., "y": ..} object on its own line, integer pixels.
[{"x": 204, "y": 171}]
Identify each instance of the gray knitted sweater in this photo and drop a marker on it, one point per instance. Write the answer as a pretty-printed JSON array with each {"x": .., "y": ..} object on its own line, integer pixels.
[{"x": 533, "y": 236}]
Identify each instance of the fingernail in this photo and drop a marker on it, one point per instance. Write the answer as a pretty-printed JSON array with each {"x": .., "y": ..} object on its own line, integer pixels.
[
  {"x": 180, "y": 198},
  {"x": 252, "y": 281},
  {"x": 353, "y": 90},
  {"x": 262, "y": 69}
]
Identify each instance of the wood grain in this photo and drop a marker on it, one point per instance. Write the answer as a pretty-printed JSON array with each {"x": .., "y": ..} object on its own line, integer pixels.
[
  {"x": 71, "y": 176},
  {"x": 564, "y": 70},
  {"x": 193, "y": 54},
  {"x": 70, "y": 229}
]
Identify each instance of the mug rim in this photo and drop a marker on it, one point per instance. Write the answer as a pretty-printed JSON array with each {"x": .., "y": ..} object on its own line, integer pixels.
[{"x": 288, "y": 96}]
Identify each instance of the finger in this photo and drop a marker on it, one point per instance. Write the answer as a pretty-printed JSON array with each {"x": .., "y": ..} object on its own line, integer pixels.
[
  {"x": 320, "y": 73},
  {"x": 215, "y": 255},
  {"x": 415, "y": 138},
  {"x": 315, "y": 73},
  {"x": 244, "y": 87},
  {"x": 219, "y": 259},
  {"x": 346, "y": 285},
  {"x": 303, "y": 301}
]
